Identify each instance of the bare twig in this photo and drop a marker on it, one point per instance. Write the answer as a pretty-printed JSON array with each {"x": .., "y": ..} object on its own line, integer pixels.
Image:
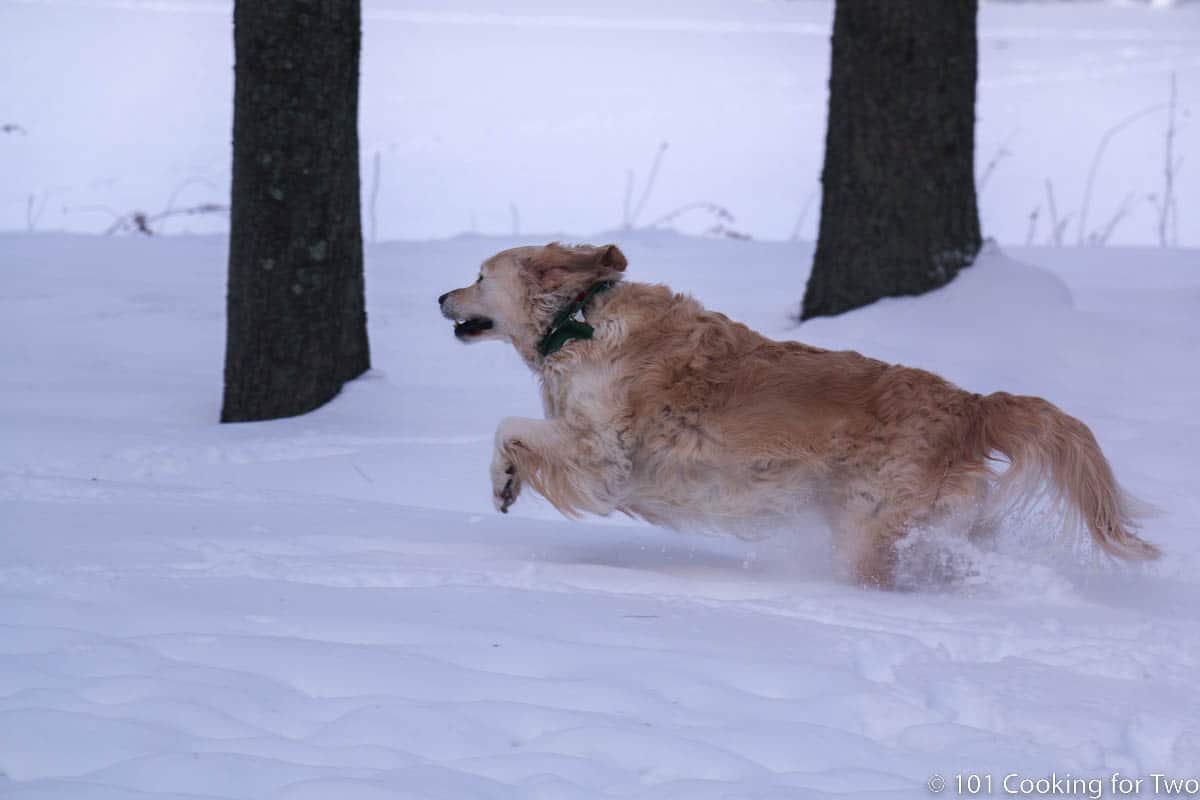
[
  {"x": 720, "y": 214},
  {"x": 1166, "y": 209},
  {"x": 135, "y": 221},
  {"x": 200, "y": 208},
  {"x": 1031, "y": 231},
  {"x": 1002, "y": 152},
  {"x": 192, "y": 181},
  {"x": 727, "y": 232},
  {"x": 143, "y": 223},
  {"x": 1100, "y": 237},
  {"x": 34, "y": 206},
  {"x": 1175, "y": 213},
  {"x": 12, "y": 127},
  {"x": 1061, "y": 229},
  {"x": 1100, "y": 148},
  {"x": 808, "y": 201},
  {"x": 1055, "y": 227},
  {"x": 649, "y": 187},
  {"x": 173, "y": 210}
]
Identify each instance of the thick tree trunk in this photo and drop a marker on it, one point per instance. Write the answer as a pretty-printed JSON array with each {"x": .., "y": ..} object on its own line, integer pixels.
[
  {"x": 898, "y": 211},
  {"x": 296, "y": 319}
]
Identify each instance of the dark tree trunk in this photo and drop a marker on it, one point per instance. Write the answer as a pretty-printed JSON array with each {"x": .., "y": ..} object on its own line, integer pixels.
[
  {"x": 898, "y": 212},
  {"x": 296, "y": 320}
]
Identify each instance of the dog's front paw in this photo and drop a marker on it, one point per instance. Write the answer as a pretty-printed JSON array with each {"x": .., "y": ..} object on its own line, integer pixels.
[{"x": 506, "y": 484}]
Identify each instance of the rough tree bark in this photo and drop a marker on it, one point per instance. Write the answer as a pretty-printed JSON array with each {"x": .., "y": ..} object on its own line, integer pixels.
[
  {"x": 898, "y": 208},
  {"x": 296, "y": 317}
]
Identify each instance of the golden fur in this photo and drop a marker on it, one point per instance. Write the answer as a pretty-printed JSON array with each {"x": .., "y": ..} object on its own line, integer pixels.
[{"x": 685, "y": 418}]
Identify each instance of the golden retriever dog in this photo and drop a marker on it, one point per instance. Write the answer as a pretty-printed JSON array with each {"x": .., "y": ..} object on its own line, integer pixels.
[{"x": 663, "y": 410}]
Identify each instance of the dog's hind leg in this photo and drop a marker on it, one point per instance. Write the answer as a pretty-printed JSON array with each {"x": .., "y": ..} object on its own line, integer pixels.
[
  {"x": 869, "y": 518},
  {"x": 576, "y": 470},
  {"x": 864, "y": 533},
  {"x": 869, "y": 523},
  {"x": 868, "y": 543}
]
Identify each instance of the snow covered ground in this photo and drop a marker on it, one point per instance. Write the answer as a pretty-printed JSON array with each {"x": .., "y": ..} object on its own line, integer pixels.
[
  {"x": 327, "y": 607},
  {"x": 477, "y": 108}
]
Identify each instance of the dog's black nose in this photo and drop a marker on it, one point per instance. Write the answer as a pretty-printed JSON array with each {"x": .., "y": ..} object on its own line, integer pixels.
[{"x": 442, "y": 299}]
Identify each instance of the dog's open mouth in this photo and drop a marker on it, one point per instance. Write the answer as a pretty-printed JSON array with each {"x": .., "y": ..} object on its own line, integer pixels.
[{"x": 472, "y": 326}]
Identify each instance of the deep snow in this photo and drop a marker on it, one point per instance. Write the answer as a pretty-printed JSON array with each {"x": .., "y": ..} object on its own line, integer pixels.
[
  {"x": 327, "y": 606},
  {"x": 544, "y": 105}
]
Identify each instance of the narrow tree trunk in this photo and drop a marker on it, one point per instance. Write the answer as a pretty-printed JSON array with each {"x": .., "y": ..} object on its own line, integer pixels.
[
  {"x": 296, "y": 318},
  {"x": 898, "y": 210}
]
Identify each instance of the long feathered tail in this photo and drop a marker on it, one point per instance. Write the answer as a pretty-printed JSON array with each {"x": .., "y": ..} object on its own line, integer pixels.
[{"x": 1043, "y": 444}]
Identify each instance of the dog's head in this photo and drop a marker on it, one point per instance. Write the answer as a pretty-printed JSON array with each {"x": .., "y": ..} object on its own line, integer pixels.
[{"x": 520, "y": 291}]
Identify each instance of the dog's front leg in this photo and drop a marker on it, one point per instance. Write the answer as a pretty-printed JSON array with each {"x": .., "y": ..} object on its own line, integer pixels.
[
  {"x": 506, "y": 484},
  {"x": 573, "y": 469},
  {"x": 516, "y": 439}
]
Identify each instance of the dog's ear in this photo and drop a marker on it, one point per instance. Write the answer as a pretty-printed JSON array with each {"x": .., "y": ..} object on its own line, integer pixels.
[
  {"x": 612, "y": 258},
  {"x": 557, "y": 265}
]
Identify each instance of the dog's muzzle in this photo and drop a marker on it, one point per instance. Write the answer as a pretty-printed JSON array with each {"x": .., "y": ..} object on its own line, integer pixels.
[{"x": 464, "y": 327}]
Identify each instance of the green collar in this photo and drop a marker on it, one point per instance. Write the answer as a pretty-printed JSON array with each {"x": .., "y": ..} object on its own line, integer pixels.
[{"x": 565, "y": 327}]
